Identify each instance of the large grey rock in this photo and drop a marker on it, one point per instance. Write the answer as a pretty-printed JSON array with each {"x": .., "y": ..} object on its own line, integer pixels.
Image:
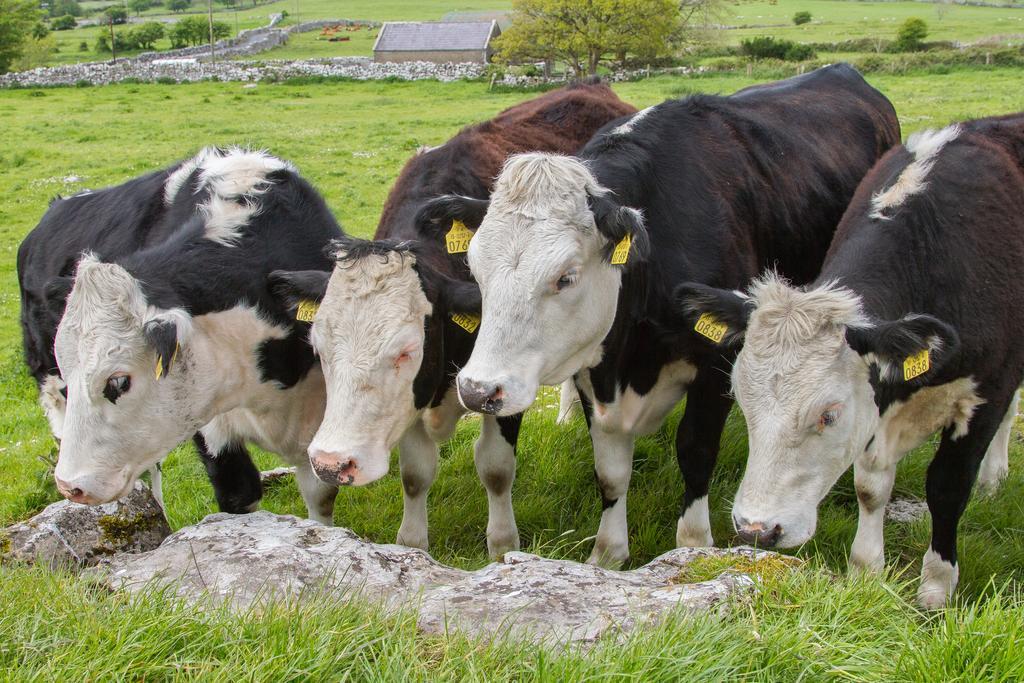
[
  {"x": 71, "y": 535},
  {"x": 905, "y": 510},
  {"x": 245, "y": 559}
]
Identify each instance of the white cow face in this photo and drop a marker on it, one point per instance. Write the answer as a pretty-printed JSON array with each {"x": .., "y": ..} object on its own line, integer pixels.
[
  {"x": 542, "y": 258},
  {"x": 369, "y": 334},
  {"x": 803, "y": 381},
  {"x": 126, "y": 368}
]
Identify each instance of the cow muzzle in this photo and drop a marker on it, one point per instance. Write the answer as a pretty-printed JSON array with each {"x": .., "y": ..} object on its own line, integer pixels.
[
  {"x": 348, "y": 469},
  {"x": 758, "y": 534},
  {"x": 481, "y": 397},
  {"x": 87, "y": 491}
]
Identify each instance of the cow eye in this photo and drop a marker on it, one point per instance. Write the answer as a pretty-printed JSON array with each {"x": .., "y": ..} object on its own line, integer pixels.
[
  {"x": 567, "y": 279},
  {"x": 828, "y": 418},
  {"x": 117, "y": 386}
]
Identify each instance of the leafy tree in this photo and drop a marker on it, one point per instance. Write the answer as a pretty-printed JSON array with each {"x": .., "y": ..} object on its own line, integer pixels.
[
  {"x": 803, "y": 17},
  {"x": 178, "y": 5},
  {"x": 116, "y": 15},
  {"x": 139, "y": 6},
  {"x": 144, "y": 36},
  {"x": 60, "y": 8},
  {"x": 586, "y": 33},
  {"x": 911, "y": 34},
  {"x": 63, "y": 23},
  {"x": 40, "y": 30},
  {"x": 120, "y": 42},
  {"x": 195, "y": 30},
  {"x": 768, "y": 47},
  {"x": 18, "y": 18}
]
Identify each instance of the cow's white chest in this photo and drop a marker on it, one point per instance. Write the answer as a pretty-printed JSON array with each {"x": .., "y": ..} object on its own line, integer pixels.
[
  {"x": 632, "y": 413},
  {"x": 906, "y": 424}
]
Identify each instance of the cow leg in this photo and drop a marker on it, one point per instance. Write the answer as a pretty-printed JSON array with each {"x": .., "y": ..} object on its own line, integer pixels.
[
  {"x": 317, "y": 494},
  {"x": 235, "y": 479},
  {"x": 495, "y": 458},
  {"x": 697, "y": 442},
  {"x": 874, "y": 473},
  {"x": 951, "y": 476},
  {"x": 567, "y": 398},
  {"x": 613, "y": 465},
  {"x": 995, "y": 465},
  {"x": 417, "y": 459}
]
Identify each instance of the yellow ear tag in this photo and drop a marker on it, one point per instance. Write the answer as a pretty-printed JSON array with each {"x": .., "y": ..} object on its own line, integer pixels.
[
  {"x": 159, "y": 361},
  {"x": 467, "y": 322},
  {"x": 621, "y": 253},
  {"x": 306, "y": 311},
  {"x": 457, "y": 239},
  {"x": 709, "y": 326},
  {"x": 916, "y": 365}
]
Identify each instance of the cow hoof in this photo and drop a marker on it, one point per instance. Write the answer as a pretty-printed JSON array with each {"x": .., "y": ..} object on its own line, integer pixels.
[
  {"x": 938, "y": 580},
  {"x": 608, "y": 558},
  {"x": 989, "y": 483},
  {"x": 412, "y": 540},
  {"x": 693, "y": 538},
  {"x": 500, "y": 543},
  {"x": 932, "y": 596}
]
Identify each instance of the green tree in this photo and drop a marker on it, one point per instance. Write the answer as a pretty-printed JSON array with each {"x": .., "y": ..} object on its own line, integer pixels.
[
  {"x": 116, "y": 15},
  {"x": 195, "y": 30},
  {"x": 63, "y": 23},
  {"x": 59, "y": 8},
  {"x": 178, "y": 5},
  {"x": 803, "y": 17},
  {"x": 586, "y": 33},
  {"x": 139, "y": 6},
  {"x": 911, "y": 34},
  {"x": 144, "y": 36},
  {"x": 18, "y": 18}
]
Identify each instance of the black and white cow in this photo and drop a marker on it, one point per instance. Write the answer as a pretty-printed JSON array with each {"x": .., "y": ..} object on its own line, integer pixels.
[
  {"x": 913, "y": 326},
  {"x": 183, "y": 335},
  {"x": 398, "y": 316},
  {"x": 708, "y": 189}
]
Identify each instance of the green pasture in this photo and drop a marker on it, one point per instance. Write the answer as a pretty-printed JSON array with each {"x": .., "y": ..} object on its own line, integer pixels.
[{"x": 350, "y": 139}]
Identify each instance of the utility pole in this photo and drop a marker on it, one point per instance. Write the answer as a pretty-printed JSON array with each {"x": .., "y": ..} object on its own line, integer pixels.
[
  {"x": 113, "y": 48},
  {"x": 210, "y": 6}
]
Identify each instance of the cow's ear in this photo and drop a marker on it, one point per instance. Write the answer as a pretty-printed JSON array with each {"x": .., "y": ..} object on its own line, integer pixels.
[
  {"x": 56, "y": 291},
  {"x": 622, "y": 226},
  {"x": 911, "y": 349},
  {"x": 460, "y": 296},
  {"x": 440, "y": 211},
  {"x": 299, "y": 291},
  {"x": 165, "y": 332},
  {"x": 718, "y": 315}
]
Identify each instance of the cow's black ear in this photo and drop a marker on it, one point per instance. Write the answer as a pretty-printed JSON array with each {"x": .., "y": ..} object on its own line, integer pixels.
[
  {"x": 911, "y": 349},
  {"x": 440, "y": 211},
  {"x": 162, "y": 335},
  {"x": 460, "y": 296},
  {"x": 56, "y": 291},
  {"x": 618, "y": 224},
  {"x": 718, "y": 315},
  {"x": 299, "y": 291}
]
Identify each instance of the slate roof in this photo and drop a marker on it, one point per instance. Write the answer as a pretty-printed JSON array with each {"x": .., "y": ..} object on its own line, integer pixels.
[{"x": 434, "y": 35}]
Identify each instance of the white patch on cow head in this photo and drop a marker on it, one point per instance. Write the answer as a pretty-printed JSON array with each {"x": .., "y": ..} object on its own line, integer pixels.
[
  {"x": 181, "y": 175},
  {"x": 628, "y": 126},
  {"x": 369, "y": 334},
  {"x": 808, "y": 403},
  {"x": 924, "y": 146},
  {"x": 120, "y": 418},
  {"x": 549, "y": 291}
]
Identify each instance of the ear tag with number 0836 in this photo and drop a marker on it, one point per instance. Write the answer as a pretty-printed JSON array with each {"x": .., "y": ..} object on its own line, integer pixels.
[
  {"x": 709, "y": 326},
  {"x": 457, "y": 239},
  {"x": 306, "y": 311},
  {"x": 916, "y": 365}
]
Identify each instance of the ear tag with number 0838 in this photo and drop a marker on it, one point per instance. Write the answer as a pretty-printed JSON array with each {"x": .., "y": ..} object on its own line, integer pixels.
[
  {"x": 457, "y": 239},
  {"x": 916, "y": 365},
  {"x": 306, "y": 311},
  {"x": 709, "y": 326},
  {"x": 621, "y": 253}
]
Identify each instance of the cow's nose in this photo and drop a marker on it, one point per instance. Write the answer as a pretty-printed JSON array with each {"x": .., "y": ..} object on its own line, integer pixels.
[
  {"x": 334, "y": 468},
  {"x": 71, "y": 492},
  {"x": 758, "y": 534},
  {"x": 482, "y": 397}
]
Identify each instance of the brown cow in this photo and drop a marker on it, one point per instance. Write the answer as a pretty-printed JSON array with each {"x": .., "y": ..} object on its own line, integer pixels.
[{"x": 398, "y": 315}]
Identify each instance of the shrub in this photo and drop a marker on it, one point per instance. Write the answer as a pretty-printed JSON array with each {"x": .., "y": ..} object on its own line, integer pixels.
[
  {"x": 59, "y": 8},
  {"x": 139, "y": 6},
  {"x": 178, "y": 5},
  {"x": 911, "y": 35},
  {"x": 116, "y": 15},
  {"x": 83, "y": 46},
  {"x": 144, "y": 36},
  {"x": 64, "y": 23},
  {"x": 802, "y": 18},
  {"x": 766, "y": 47}
]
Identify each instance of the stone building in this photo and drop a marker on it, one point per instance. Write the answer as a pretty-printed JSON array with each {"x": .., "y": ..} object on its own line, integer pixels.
[{"x": 439, "y": 41}]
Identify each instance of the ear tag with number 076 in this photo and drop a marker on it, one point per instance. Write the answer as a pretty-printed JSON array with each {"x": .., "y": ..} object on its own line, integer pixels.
[
  {"x": 306, "y": 311},
  {"x": 916, "y": 365},
  {"x": 621, "y": 253},
  {"x": 710, "y": 327},
  {"x": 457, "y": 239}
]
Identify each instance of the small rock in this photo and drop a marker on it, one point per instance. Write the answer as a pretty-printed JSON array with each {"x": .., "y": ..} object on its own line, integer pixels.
[
  {"x": 245, "y": 559},
  {"x": 67, "y": 534},
  {"x": 905, "y": 510},
  {"x": 276, "y": 474}
]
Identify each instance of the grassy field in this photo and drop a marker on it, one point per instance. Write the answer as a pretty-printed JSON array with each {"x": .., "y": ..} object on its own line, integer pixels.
[{"x": 351, "y": 139}]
